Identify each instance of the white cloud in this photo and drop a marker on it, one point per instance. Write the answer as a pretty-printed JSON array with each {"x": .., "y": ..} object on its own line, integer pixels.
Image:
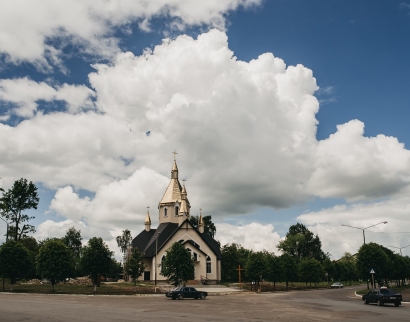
[
  {"x": 338, "y": 239},
  {"x": 28, "y": 28},
  {"x": 350, "y": 165},
  {"x": 253, "y": 236},
  {"x": 24, "y": 95}
]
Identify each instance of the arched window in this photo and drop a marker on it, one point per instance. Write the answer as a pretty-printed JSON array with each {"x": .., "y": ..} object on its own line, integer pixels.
[
  {"x": 165, "y": 212},
  {"x": 176, "y": 210},
  {"x": 208, "y": 265},
  {"x": 162, "y": 264}
]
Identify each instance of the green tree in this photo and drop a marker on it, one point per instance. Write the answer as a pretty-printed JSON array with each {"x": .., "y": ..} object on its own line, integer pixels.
[
  {"x": 96, "y": 260},
  {"x": 256, "y": 266},
  {"x": 55, "y": 261},
  {"x": 300, "y": 242},
  {"x": 177, "y": 265},
  {"x": 14, "y": 260},
  {"x": 209, "y": 226},
  {"x": 372, "y": 256},
  {"x": 275, "y": 269},
  {"x": 73, "y": 240},
  {"x": 330, "y": 269},
  {"x": 310, "y": 270},
  {"x": 135, "y": 265},
  {"x": 22, "y": 196},
  {"x": 32, "y": 246},
  {"x": 290, "y": 268},
  {"x": 124, "y": 240},
  {"x": 232, "y": 255}
]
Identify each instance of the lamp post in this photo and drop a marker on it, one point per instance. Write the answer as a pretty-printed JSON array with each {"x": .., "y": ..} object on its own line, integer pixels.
[
  {"x": 363, "y": 229},
  {"x": 399, "y": 248},
  {"x": 156, "y": 253}
]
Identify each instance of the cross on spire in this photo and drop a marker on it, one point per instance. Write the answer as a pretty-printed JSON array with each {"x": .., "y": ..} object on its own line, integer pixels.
[
  {"x": 200, "y": 211},
  {"x": 175, "y": 153},
  {"x": 148, "y": 208}
]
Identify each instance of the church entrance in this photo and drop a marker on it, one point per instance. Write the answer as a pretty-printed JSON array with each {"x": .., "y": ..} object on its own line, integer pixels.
[{"x": 147, "y": 276}]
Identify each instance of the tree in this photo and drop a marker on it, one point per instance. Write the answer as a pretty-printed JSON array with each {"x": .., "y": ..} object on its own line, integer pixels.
[
  {"x": 209, "y": 226},
  {"x": 32, "y": 246},
  {"x": 96, "y": 260},
  {"x": 135, "y": 265},
  {"x": 256, "y": 266},
  {"x": 232, "y": 255},
  {"x": 301, "y": 243},
  {"x": 22, "y": 196},
  {"x": 372, "y": 256},
  {"x": 177, "y": 265},
  {"x": 123, "y": 243},
  {"x": 73, "y": 240},
  {"x": 55, "y": 261},
  {"x": 275, "y": 269},
  {"x": 310, "y": 270},
  {"x": 290, "y": 268},
  {"x": 14, "y": 260}
]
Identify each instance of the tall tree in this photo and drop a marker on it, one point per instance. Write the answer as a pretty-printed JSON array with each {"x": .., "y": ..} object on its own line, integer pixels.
[
  {"x": 209, "y": 226},
  {"x": 22, "y": 196},
  {"x": 300, "y": 242},
  {"x": 73, "y": 240},
  {"x": 14, "y": 260},
  {"x": 55, "y": 261},
  {"x": 124, "y": 240},
  {"x": 96, "y": 260},
  {"x": 32, "y": 246},
  {"x": 177, "y": 265},
  {"x": 135, "y": 265},
  {"x": 233, "y": 255},
  {"x": 310, "y": 270},
  {"x": 256, "y": 266},
  {"x": 290, "y": 268},
  {"x": 275, "y": 269}
]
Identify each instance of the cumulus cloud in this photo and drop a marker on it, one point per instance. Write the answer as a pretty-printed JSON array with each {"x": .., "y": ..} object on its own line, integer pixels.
[
  {"x": 350, "y": 165},
  {"x": 253, "y": 236},
  {"x": 28, "y": 29},
  {"x": 338, "y": 239},
  {"x": 23, "y": 94}
]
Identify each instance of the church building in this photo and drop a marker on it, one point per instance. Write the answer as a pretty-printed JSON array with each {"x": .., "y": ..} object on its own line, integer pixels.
[{"x": 175, "y": 226}]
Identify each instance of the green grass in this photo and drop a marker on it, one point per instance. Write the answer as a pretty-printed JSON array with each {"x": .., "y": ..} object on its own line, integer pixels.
[{"x": 104, "y": 289}]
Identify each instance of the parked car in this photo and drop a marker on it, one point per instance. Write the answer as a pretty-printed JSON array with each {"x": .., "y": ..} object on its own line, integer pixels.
[
  {"x": 336, "y": 285},
  {"x": 381, "y": 296},
  {"x": 186, "y": 292}
]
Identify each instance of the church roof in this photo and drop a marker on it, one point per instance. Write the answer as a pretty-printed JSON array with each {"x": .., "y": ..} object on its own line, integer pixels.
[
  {"x": 145, "y": 242},
  {"x": 173, "y": 192}
]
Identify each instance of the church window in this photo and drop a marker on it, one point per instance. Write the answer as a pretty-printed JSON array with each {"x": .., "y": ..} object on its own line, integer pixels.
[
  {"x": 162, "y": 264},
  {"x": 195, "y": 257},
  {"x": 176, "y": 210},
  {"x": 208, "y": 265},
  {"x": 190, "y": 252},
  {"x": 165, "y": 212}
]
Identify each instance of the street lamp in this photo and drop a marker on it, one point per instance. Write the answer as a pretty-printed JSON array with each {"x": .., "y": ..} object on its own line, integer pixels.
[
  {"x": 156, "y": 253},
  {"x": 399, "y": 248},
  {"x": 363, "y": 229}
]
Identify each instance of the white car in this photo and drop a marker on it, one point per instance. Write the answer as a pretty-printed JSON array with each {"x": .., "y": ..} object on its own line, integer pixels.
[{"x": 336, "y": 285}]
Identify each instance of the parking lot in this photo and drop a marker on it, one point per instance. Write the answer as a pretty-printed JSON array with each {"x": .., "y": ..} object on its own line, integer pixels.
[{"x": 315, "y": 305}]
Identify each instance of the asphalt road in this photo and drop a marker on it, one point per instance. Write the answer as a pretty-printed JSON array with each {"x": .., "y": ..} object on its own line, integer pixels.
[{"x": 316, "y": 305}]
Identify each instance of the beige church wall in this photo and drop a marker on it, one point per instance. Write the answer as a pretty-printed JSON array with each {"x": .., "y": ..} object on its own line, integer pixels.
[
  {"x": 171, "y": 214},
  {"x": 200, "y": 266}
]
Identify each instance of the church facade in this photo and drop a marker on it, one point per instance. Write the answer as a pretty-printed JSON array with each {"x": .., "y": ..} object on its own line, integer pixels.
[{"x": 175, "y": 226}]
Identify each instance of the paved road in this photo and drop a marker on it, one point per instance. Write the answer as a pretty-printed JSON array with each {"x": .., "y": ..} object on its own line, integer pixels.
[{"x": 317, "y": 305}]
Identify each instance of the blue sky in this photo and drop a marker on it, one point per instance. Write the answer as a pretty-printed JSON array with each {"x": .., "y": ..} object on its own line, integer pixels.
[{"x": 74, "y": 109}]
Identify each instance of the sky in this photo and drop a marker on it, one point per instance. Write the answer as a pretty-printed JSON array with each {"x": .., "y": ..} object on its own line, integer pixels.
[{"x": 281, "y": 111}]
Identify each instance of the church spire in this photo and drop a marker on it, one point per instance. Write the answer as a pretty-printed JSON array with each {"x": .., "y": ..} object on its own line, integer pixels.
[
  {"x": 174, "y": 171},
  {"x": 147, "y": 221},
  {"x": 201, "y": 226}
]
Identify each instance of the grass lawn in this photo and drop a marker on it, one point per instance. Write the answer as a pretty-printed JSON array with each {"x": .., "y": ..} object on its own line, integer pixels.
[{"x": 104, "y": 289}]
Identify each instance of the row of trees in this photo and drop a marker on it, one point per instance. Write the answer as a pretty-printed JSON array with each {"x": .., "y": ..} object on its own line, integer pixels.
[{"x": 303, "y": 260}]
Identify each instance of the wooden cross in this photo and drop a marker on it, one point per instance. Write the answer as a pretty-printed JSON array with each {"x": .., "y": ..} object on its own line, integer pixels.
[
  {"x": 175, "y": 153},
  {"x": 239, "y": 269}
]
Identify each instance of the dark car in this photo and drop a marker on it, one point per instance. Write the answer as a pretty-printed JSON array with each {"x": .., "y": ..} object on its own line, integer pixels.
[
  {"x": 381, "y": 296},
  {"x": 186, "y": 292}
]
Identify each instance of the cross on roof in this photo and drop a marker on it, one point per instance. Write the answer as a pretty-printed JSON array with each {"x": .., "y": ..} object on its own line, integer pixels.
[
  {"x": 148, "y": 208},
  {"x": 175, "y": 153}
]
